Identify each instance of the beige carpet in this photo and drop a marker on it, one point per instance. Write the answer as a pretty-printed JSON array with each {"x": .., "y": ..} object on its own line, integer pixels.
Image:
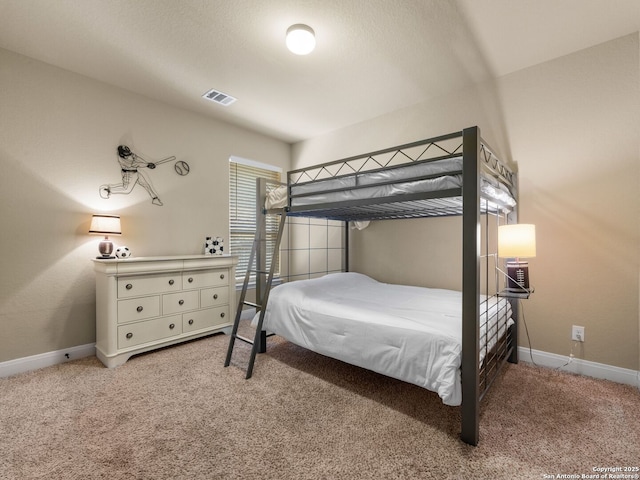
[{"x": 178, "y": 413}]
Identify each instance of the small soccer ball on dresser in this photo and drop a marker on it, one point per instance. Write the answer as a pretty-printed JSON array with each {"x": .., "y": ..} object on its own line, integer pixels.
[
  {"x": 213, "y": 246},
  {"x": 122, "y": 252},
  {"x": 218, "y": 246}
]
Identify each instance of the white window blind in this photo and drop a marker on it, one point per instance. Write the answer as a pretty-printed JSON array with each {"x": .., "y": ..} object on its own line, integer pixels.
[{"x": 242, "y": 212}]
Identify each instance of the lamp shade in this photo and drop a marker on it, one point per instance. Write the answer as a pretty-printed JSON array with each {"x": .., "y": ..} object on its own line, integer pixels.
[
  {"x": 517, "y": 241},
  {"x": 105, "y": 225},
  {"x": 301, "y": 39}
]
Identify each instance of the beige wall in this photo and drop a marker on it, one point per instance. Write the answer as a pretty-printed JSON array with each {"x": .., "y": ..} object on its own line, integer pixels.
[
  {"x": 58, "y": 137},
  {"x": 580, "y": 186},
  {"x": 571, "y": 125}
]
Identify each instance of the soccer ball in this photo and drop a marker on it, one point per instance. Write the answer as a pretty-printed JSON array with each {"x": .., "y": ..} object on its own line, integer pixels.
[
  {"x": 123, "y": 252},
  {"x": 213, "y": 246}
]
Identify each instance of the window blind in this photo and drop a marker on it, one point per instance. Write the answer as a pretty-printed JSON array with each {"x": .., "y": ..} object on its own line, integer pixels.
[{"x": 242, "y": 213}]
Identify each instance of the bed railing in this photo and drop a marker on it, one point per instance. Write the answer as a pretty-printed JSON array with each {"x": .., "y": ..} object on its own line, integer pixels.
[
  {"x": 444, "y": 146},
  {"x": 433, "y": 149},
  {"x": 419, "y": 179}
]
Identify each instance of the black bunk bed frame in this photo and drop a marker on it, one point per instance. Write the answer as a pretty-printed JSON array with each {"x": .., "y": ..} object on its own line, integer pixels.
[{"x": 466, "y": 201}]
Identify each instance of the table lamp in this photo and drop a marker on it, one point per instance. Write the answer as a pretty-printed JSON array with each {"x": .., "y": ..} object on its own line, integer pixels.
[
  {"x": 105, "y": 225},
  {"x": 515, "y": 242}
]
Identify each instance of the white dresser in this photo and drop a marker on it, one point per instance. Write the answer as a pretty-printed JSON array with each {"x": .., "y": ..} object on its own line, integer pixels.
[{"x": 150, "y": 302}]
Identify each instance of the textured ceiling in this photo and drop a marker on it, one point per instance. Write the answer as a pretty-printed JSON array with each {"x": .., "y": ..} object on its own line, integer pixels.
[{"x": 372, "y": 56}]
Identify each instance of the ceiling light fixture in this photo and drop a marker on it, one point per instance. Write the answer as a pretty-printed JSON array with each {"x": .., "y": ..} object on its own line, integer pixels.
[{"x": 301, "y": 39}]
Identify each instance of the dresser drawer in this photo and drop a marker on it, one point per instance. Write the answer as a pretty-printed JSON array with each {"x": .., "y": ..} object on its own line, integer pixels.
[
  {"x": 180, "y": 302},
  {"x": 210, "y": 297},
  {"x": 205, "y": 318},
  {"x": 148, "y": 284},
  {"x": 138, "y": 308},
  {"x": 149, "y": 331},
  {"x": 210, "y": 278}
]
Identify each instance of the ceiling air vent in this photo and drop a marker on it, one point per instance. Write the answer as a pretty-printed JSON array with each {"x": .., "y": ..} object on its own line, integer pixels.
[{"x": 219, "y": 97}]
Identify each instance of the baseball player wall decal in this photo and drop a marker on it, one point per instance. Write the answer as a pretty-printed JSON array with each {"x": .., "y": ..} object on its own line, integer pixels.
[{"x": 132, "y": 167}]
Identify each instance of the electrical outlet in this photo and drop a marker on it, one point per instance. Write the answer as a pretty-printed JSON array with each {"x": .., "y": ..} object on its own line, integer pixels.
[{"x": 577, "y": 333}]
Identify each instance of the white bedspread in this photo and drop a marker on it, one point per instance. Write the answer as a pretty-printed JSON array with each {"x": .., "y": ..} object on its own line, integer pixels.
[{"x": 410, "y": 333}]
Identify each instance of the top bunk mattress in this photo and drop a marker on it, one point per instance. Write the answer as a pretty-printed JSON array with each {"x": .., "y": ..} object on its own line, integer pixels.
[{"x": 443, "y": 176}]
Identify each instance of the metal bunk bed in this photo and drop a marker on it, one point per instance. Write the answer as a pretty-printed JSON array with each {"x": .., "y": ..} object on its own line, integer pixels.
[{"x": 477, "y": 186}]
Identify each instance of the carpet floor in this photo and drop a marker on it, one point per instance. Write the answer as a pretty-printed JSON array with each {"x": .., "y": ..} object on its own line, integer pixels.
[{"x": 177, "y": 413}]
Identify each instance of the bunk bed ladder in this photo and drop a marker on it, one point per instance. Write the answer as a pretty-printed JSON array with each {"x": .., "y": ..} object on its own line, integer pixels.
[{"x": 262, "y": 296}]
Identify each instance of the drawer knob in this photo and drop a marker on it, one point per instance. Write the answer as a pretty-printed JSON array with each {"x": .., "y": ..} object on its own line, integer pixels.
[
  {"x": 172, "y": 326},
  {"x": 222, "y": 315},
  {"x": 129, "y": 335},
  {"x": 215, "y": 296},
  {"x": 180, "y": 302},
  {"x": 191, "y": 321},
  {"x": 139, "y": 309},
  {"x": 190, "y": 280},
  {"x": 129, "y": 286},
  {"x": 171, "y": 282},
  {"x": 222, "y": 276}
]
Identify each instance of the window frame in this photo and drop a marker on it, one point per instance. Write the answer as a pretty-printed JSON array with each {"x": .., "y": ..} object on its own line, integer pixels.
[{"x": 242, "y": 212}]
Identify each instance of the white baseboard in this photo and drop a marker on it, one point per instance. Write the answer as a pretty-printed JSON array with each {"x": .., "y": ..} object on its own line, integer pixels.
[
  {"x": 544, "y": 359},
  {"x": 581, "y": 367},
  {"x": 34, "y": 362}
]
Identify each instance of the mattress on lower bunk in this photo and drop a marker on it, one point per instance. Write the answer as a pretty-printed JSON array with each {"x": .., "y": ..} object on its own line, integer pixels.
[
  {"x": 386, "y": 182},
  {"x": 410, "y": 333}
]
